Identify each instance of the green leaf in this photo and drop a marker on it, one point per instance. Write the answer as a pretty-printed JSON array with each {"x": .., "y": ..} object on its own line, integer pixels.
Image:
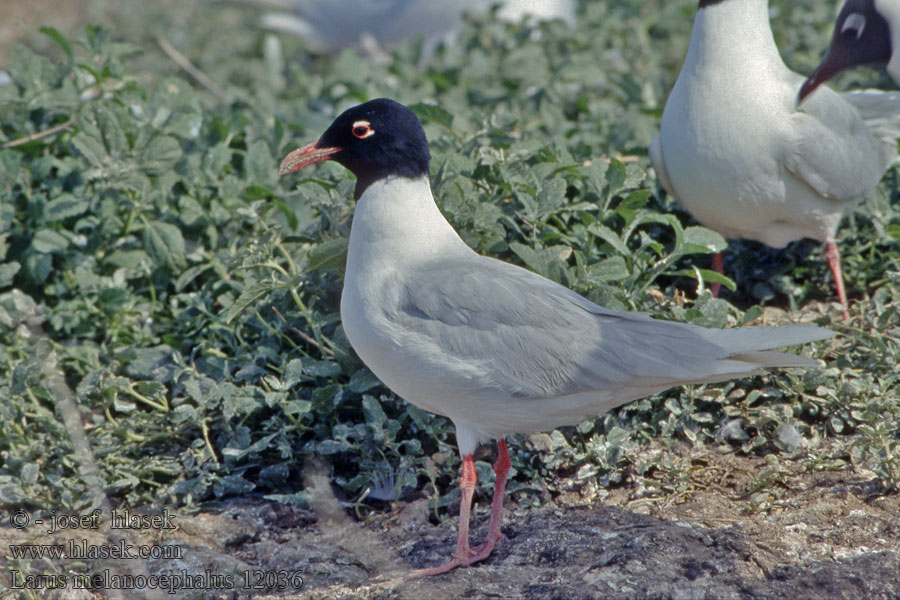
[
  {"x": 611, "y": 269},
  {"x": 65, "y": 206},
  {"x": 331, "y": 254},
  {"x": 287, "y": 212},
  {"x": 258, "y": 192},
  {"x": 635, "y": 201},
  {"x": 646, "y": 217},
  {"x": 114, "y": 139},
  {"x": 707, "y": 239},
  {"x": 30, "y": 472},
  {"x": 150, "y": 388},
  {"x": 615, "y": 175},
  {"x": 165, "y": 244},
  {"x": 216, "y": 159},
  {"x": 59, "y": 38},
  {"x": 250, "y": 295},
  {"x": 536, "y": 260},
  {"x": 293, "y": 373},
  {"x": 35, "y": 72},
  {"x": 708, "y": 276},
  {"x": 752, "y": 313},
  {"x": 297, "y": 407},
  {"x": 128, "y": 259},
  {"x": 433, "y": 113},
  {"x": 609, "y": 236},
  {"x": 124, "y": 405},
  {"x": 327, "y": 447},
  {"x": 596, "y": 176},
  {"x": 420, "y": 417},
  {"x": 261, "y": 166},
  {"x": 233, "y": 484},
  {"x": 8, "y": 272},
  {"x": 363, "y": 381},
  {"x": 321, "y": 368},
  {"x": 254, "y": 448},
  {"x": 47, "y": 241},
  {"x": 91, "y": 148},
  {"x": 551, "y": 197},
  {"x": 373, "y": 412},
  {"x": 160, "y": 155},
  {"x": 548, "y": 262}
]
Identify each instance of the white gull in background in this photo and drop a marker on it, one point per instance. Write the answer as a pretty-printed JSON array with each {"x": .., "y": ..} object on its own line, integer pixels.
[
  {"x": 737, "y": 152},
  {"x": 494, "y": 347},
  {"x": 335, "y": 24}
]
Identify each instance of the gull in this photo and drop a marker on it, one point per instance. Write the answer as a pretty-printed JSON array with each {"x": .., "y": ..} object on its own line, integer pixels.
[
  {"x": 736, "y": 151},
  {"x": 866, "y": 33},
  {"x": 494, "y": 347},
  {"x": 332, "y": 24}
]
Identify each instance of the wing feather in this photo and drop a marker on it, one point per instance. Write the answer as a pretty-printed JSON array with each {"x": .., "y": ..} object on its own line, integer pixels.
[
  {"x": 533, "y": 338},
  {"x": 833, "y": 150}
]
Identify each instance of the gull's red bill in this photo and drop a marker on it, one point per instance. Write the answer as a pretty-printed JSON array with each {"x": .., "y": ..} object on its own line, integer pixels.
[{"x": 305, "y": 156}]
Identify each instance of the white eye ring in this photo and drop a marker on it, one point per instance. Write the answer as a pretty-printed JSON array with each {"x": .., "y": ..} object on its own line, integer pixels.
[
  {"x": 855, "y": 22},
  {"x": 362, "y": 129}
]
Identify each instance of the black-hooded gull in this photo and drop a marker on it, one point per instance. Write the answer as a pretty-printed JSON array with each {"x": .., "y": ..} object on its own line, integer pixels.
[
  {"x": 866, "y": 33},
  {"x": 494, "y": 347},
  {"x": 738, "y": 153}
]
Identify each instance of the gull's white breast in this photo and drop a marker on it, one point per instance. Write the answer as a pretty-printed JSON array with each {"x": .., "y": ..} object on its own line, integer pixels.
[{"x": 728, "y": 126}]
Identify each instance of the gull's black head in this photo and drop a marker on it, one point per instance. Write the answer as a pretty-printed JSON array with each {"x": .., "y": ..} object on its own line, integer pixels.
[
  {"x": 376, "y": 139},
  {"x": 861, "y": 36}
]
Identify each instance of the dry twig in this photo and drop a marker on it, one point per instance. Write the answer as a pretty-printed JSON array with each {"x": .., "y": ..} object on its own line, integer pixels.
[
  {"x": 181, "y": 60},
  {"x": 40, "y": 134}
]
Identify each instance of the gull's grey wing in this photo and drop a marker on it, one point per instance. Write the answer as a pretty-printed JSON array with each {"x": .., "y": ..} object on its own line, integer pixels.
[
  {"x": 881, "y": 112},
  {"x": 831, "y": 148},
  {"x": 533, "y": 338}
]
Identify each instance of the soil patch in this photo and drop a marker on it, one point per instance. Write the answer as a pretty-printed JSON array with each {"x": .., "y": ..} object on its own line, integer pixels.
[{"x": 829, "y": 534}]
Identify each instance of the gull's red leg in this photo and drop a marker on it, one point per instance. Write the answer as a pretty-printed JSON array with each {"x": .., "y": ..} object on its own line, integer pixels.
[
  {"x": 501, "y": 470},
  {"x": 833, "y": 257},
  {"x": 463, "y": 556},
  {"x": 719, "y": 268}
]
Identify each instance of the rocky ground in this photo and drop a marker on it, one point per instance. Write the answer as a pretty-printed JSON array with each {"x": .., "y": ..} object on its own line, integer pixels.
[{"x": 829, "y": 535}]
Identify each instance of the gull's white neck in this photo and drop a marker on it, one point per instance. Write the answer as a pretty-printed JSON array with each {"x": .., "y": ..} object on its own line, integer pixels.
[
  {"x": 397, "y": 222},
  {"x": 735, "y": 37},
  {"x": 890, "y": 10}
]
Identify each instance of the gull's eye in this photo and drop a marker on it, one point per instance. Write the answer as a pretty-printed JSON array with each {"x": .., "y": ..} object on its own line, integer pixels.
[
  {"x": 362, "y": 130},
  {"x": 854, "y": 25}
]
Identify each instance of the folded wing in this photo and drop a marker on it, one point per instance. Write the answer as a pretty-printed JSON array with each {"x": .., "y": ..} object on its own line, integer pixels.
[{"x": 533, "y": 338}]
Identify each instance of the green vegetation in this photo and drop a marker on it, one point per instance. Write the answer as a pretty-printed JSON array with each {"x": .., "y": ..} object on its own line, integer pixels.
[{"x": 189, "y": 297}]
